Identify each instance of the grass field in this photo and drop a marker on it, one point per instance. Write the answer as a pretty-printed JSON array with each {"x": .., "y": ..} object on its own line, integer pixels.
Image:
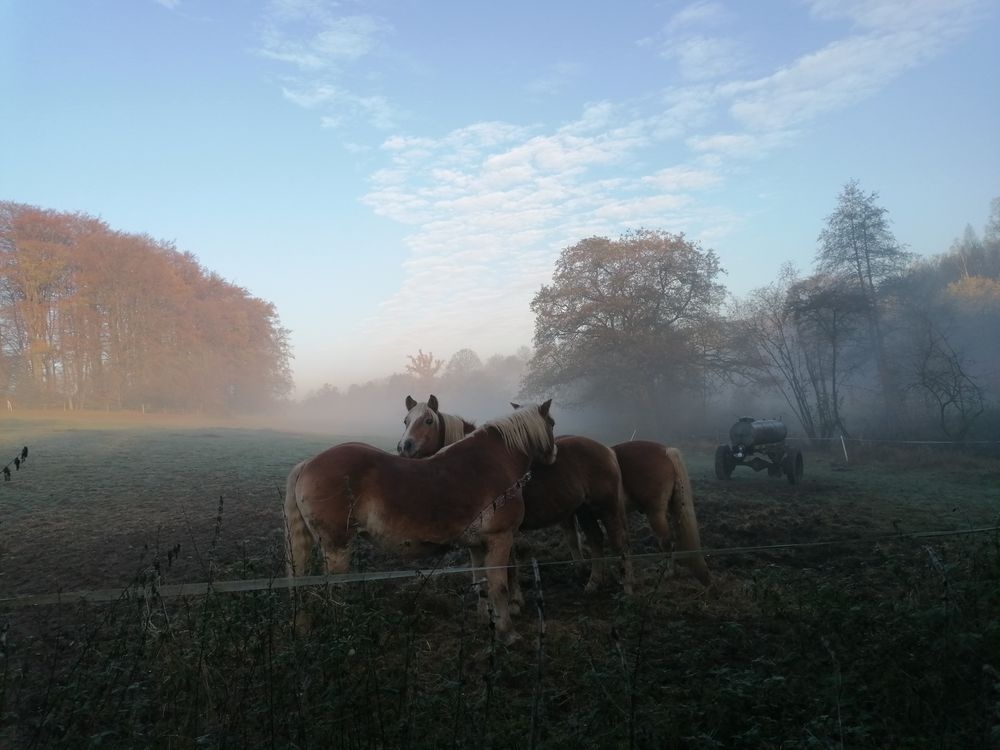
[{"x": 878, "y": 640}]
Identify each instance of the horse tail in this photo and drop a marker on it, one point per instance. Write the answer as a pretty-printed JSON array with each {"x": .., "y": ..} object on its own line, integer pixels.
[
  {"x": 297, "y": 535},
  {"x": 683, "y": 519},
  {"x": 622, "y": 514}
]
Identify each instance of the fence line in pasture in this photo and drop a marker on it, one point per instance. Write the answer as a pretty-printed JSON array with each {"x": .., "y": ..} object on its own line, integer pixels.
[
  {"x": 203, "y": 588},
  {"x": 841, "y": 438},
  {"x": 19, "y": 459}
]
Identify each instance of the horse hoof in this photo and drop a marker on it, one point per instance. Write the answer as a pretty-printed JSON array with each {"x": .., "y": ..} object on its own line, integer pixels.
[
  {"x": 510, "y": 638},
  {"x": 592, "y": 586},
  {"x": 303, "y": 624}
]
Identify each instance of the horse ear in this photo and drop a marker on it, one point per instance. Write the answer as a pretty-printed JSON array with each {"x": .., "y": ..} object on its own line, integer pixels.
[
  {"x": 544, "y": 408},
  {"x": 433, "y": 402},
  {"x": 516, "y": 406},
  {"x": 410, "y": 403}
]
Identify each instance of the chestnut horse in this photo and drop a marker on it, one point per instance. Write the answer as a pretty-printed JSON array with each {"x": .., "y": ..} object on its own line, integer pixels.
[
  {"x": 468, "y": 495},
  {"x": 657, "y": 485},
  {"x": 584, "y": 484}
]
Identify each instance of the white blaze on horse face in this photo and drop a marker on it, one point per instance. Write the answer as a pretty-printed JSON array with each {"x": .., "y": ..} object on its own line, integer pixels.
[{"x": 421, "y": 432}]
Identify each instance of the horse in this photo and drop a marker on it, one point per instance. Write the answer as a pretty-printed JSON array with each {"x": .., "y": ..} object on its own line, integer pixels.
[
  {"x": 584, "y": 484},
  {"x": 468, "y": 494},
  {"x": 428, "y": 430},
  {"x": 657, "y": 485}
]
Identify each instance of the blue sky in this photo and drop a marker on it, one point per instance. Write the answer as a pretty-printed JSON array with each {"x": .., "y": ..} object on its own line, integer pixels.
[{"x": 403, "y": 175}]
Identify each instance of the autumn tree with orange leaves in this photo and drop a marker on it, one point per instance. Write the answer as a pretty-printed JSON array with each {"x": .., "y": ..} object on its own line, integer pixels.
[{"x": 95, "y": 318}]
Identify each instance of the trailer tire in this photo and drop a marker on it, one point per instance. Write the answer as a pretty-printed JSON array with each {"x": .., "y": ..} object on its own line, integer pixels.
[
  {"x": 792, "y": 465},
  {"x": 724, "y": 463}
]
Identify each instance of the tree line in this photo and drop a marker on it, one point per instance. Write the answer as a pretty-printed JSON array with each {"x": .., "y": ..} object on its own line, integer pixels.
[
  {"x": 873, "y": 341},
  {"x": 640, "y": 335},
  {"x": 96, "y": 318}
]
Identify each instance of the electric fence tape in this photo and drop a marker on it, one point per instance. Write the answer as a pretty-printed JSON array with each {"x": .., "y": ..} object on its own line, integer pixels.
[{"x": 169, "y": 591}]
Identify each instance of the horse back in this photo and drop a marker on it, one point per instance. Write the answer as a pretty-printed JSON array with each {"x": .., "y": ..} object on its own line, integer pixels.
[
  {"x": 646, "y": 469},
  {"x": 584, "y": 471},
  {"x": 357, "y": 486}
]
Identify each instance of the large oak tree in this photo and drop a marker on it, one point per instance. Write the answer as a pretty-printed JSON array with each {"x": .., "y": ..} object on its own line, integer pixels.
[{"x": 625, "y": 322}]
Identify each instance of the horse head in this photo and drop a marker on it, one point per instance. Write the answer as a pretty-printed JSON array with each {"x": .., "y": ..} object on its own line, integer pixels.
[{"x": 423, "y": 428}]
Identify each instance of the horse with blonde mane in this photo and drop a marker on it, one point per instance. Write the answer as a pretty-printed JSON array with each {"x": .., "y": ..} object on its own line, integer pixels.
[
  {"x": 583, "y": 486},
  {"x": 657, "y": 485},
  {"x": 469, "y": 494}
]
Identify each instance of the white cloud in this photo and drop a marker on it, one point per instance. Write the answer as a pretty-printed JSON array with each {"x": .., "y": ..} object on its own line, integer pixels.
[
  {"x": 673, "y": 179},
  {"x": 739, "y": 145},
  {"x": 898, "y": 35}
]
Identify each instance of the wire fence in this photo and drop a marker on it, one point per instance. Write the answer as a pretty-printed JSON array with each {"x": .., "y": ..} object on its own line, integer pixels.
[{"x": 203, "y": 588}]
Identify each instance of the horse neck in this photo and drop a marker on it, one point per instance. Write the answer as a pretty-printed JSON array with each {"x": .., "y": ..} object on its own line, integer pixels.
[
  {"x": 515, "y": 461},
  {"x": 453, "y": 428}
]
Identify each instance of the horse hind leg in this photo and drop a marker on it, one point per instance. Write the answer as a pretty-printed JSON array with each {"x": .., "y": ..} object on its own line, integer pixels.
[
  {"x": 298, "y": 537},
  {"x": 595, "y": 540},
  {"x": 616, "y": 525},
  {"x": 684, "y": 519},
  {"x": 657, "y": 517},
  {"x": 299, "y": 541},
  {"x": 572, "y": 537}
]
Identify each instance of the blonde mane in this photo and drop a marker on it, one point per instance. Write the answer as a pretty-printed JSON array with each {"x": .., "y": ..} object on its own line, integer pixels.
[
  {"x": 522, "y": 430},
  {"x": 454, "y": 427}
]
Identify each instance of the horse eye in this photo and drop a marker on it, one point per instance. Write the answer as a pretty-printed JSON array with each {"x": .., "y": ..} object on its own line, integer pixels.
[
  {"x": 404, "y": 421},
  {"x": 429, "y": 421}
]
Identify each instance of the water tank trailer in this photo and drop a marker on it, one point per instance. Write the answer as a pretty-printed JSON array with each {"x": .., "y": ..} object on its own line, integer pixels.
[{"x": 759, "y": 444}]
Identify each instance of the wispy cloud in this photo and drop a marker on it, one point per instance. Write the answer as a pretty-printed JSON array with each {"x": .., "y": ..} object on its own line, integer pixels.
[
  {"x": 891, "y": 37},
  {"x": 332, "y": 42},
  {"x": 323, "y": 46},
  {"x": 556, "y": 79},
  {"x": 691, "y": 38}
]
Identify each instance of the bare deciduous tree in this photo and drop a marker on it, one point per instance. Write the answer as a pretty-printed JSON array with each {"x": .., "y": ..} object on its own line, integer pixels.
[
  {"x": 941, "y": 375},
  {"x": 423, "y": 366},
  {"x": 858, "y": 248}
]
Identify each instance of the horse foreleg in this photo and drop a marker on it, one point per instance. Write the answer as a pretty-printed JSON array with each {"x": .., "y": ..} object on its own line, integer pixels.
[
  {"x": 498, "y": 555},
  {"x": 477, "y": 556},
  {"x": 572, "y": 537},
  {"x": 595, "y": 540},
  {"x": 516, "y": 597}
]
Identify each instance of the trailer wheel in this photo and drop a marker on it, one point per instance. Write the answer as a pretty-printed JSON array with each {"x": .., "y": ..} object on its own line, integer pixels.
[
  {"x": 793, "y": 465},
  {"x": 724, "y": 463}
]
